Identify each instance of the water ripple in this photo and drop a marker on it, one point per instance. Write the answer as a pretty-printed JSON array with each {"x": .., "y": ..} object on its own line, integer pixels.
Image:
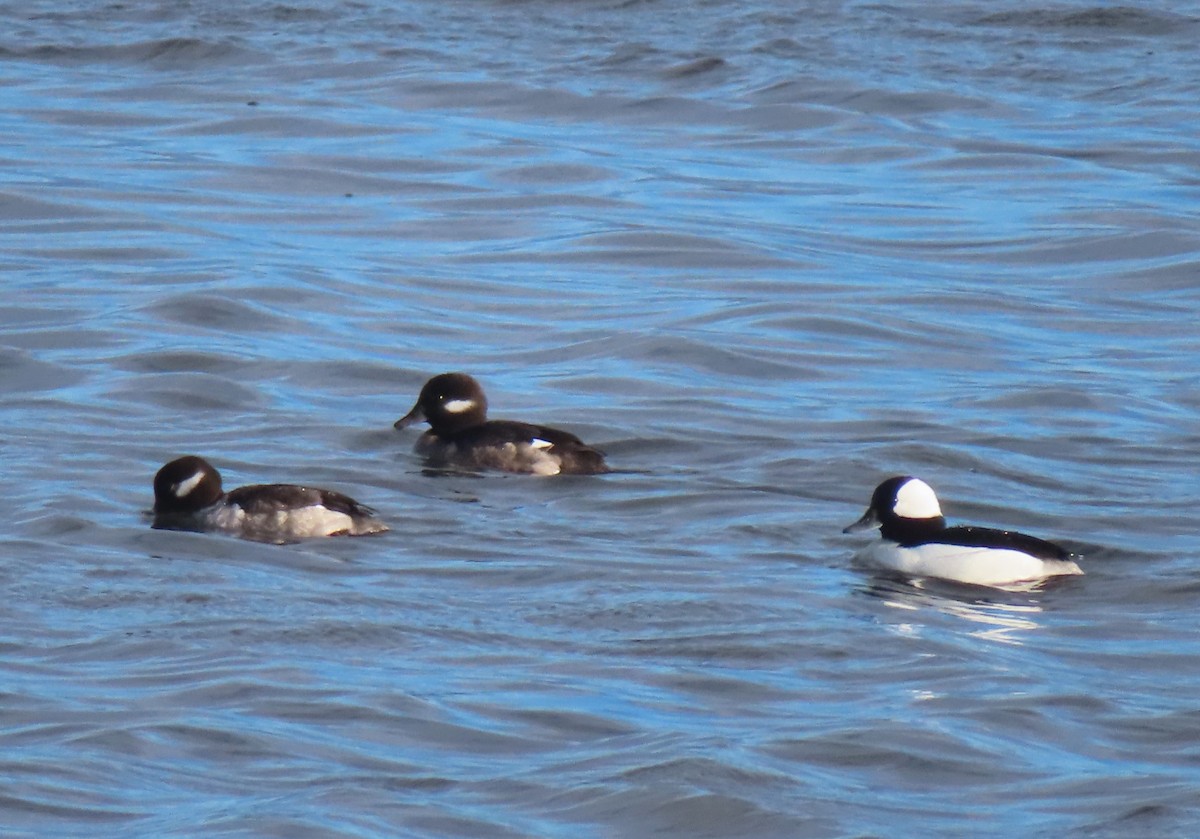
[{"x": 762, "y": 256}]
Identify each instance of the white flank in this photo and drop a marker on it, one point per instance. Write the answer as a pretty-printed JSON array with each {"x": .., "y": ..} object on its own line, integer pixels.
[
  {"x": 916, "y": 500},
  {"x": 306, "y": 522},
  {"x": 457, "y": 406},
  {"x": 536, "y": 457},
  {"x": 289, "y": 524},
  {"x": 977, "y": 566},
  {"x": 544, "y": 466},
  {"x": 184, "y": 488},
  {"x": 227, "y": 517}
]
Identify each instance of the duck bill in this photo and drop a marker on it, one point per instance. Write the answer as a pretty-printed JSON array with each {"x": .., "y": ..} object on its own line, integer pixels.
[
  {"x": 413, "y": 417},
  {"x": 868, "y": 521}
]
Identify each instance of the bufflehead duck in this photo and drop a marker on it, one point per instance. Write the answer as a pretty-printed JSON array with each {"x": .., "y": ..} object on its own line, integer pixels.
[
  {"x": 916, "y": 541},
  {"x": 188, "y": 496},
  {"x": 460, "y": 434}
]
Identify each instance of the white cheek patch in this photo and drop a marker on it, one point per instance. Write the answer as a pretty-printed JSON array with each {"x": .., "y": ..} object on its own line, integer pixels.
[
  {"x": 184, "y": 488},
  {"x": 539, "y": 443},
  {"x": 457, "y": 406},
  {"x": 915, "y": 500}
]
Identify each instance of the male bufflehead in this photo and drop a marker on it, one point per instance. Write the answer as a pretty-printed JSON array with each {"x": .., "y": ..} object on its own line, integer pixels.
[
  {"x": 460, "y": 434},
  {"x": 188, "y": 496},
  {"x": 916, "y": 541}
]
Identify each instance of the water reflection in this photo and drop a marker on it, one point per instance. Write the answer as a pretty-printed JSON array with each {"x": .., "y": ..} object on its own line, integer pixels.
[{"x": 1002, "y": 615}]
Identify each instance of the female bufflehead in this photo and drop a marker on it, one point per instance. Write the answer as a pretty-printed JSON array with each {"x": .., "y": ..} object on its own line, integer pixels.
[
  {"x": 916, "y": 541},
  {"x": 460, "y": 434},
  {"x": 188, "y": 496}
]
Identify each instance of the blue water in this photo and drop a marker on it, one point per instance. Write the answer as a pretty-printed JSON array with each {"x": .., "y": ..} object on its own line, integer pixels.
[{"x": 764, "y": 255}]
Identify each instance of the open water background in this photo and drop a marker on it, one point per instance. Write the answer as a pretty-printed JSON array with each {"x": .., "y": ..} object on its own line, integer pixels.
[{"x": 765, "y": 254}]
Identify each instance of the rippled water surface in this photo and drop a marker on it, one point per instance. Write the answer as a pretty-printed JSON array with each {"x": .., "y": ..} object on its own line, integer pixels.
[{"x": 764, "y": 254}]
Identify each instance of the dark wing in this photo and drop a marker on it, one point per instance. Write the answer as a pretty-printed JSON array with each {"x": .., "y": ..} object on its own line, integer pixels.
[
  {"x": 499, "y": 432},
  {"x": 987, "y": 537},
  {"x": 575, "y": 455},
  {"x": 263, "y": 499}
]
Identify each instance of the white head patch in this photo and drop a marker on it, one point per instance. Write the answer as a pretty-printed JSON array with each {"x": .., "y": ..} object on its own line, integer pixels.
[
  {"x": 539, "y": 443},
  {"x": 184, "y": 488},
  {"x": 915, "y": 500},
  {"x": 457, "y": 406}
]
